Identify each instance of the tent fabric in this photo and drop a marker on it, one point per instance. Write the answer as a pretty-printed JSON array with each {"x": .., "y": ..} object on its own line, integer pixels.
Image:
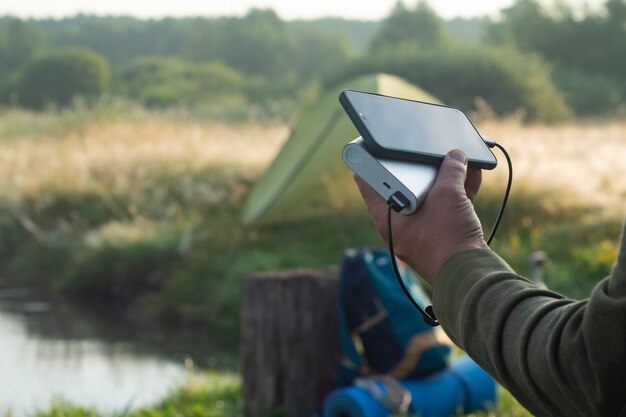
[{"x": 300, "y": 181}]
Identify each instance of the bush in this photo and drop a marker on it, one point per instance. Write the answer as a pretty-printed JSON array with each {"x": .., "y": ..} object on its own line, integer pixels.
[
  {"x": 461, "y": 73},
  {"x": 57, "y": 77},
  {"x": 590, "y": 94},
  {"x": 164, "y": 81}
]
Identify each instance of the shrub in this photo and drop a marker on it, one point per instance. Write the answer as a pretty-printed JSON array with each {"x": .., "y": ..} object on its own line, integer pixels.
[
  {"x": 159, "y": 81},
  {"x": 57, "y": 77},
  {"x": 461, "y": 73},
  {"x": 590, "y": 93}
]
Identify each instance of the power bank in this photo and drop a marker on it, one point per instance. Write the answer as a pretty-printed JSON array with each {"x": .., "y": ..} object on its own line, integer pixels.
[{"x": 388, "y": 176}]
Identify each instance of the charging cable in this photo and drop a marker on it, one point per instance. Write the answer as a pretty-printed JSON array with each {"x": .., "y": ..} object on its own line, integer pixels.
[
  {"x": 398, "y": 201},
  {"x": 493, "y": 144},
  {"x": 427, "y": 313}
]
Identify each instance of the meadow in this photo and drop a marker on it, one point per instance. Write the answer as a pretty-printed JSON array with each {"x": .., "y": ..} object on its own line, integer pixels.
[{"x": 143, "y": 207}]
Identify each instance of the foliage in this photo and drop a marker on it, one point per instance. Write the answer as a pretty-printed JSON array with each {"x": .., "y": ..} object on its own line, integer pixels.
[
  {"x": 421, "y": 26},
  {"x": 318, "y": 51},
  {"x": 591, "y": 48},
  {"x": 19, "y": 41},
  {"x": 594, "y": 43},
  {"x": 590, "y": 94},
  {"x": 58, "y": 77},
  {"x": 258, "y": 44},
  {"x": 263, "y": 61},
  {"x": 358, "y": 33},
  {"x": 157, "y": 81},
  {"x": 255, "y": 44},
  {"x": 460, "y": 73}
]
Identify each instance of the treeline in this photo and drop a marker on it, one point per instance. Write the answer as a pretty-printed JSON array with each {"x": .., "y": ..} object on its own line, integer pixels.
[
  {"x": 551, "y": 64},
  {"x": 255, "y": 58}
]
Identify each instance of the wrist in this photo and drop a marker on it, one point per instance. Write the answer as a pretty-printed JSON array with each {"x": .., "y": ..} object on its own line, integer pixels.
[{"x": 449, "y": 251}]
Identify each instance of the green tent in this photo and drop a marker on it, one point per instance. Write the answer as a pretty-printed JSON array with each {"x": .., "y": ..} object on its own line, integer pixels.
[{"x": 308, "y": 176}]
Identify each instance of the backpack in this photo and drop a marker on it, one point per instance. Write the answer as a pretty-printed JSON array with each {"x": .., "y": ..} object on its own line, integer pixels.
[{"x": 373, "y": 311}]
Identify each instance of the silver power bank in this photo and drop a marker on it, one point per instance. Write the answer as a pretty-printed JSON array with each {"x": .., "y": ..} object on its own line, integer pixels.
[{"x": 388, "y": 176}]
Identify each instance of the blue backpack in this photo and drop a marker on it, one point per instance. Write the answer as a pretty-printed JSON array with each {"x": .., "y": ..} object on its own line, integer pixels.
[{"x": 374, "y": 312}]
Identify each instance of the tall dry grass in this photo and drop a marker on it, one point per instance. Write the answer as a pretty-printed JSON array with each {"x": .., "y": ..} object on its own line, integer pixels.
[
  {"x": 119, "y": 155},
  {"x": 579, "y": 163},
  {"x": 584, "y": 161}
]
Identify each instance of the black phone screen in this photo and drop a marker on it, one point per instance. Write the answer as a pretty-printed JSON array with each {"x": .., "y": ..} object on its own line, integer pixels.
[{"x": 409, "y": 129}]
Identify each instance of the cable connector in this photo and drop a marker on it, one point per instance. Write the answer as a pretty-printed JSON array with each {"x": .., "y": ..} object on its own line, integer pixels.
[
  {"x": 398, "y": 201},
  {"x": 489, "y": 142}
]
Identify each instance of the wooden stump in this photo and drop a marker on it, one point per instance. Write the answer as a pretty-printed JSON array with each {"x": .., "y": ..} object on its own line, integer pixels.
[{"x": 289, "y": 340}]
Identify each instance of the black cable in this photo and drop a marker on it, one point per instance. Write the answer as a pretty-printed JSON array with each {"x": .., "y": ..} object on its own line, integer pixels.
[
  {"x": 428, "y": 313},
  {"x": 506, "y": 192}
]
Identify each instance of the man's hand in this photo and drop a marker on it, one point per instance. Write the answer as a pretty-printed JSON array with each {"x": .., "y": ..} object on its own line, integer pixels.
[{"x": 445, "y": 224}]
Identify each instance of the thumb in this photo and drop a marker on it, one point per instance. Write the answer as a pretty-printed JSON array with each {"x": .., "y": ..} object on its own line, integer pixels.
[{"x": 453, "y": 170}]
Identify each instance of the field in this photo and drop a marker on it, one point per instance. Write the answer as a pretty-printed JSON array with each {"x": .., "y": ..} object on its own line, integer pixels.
[{"x": 143, "y": 207}]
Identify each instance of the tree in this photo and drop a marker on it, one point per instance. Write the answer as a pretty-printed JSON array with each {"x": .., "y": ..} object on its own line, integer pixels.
[
  {"x": 525, "y": 25},
  {"x": 420, "y": 26},
  {"x": 20, "y": 41},
  {"x": 317, "y": 52},
  {"x": 158, "y": 81},
  {"x": 258, "y": 44},
  {"x": 586, "y": 53},
  {"x": 617, "y": 11},
  {"x": 57, "y": 77}
]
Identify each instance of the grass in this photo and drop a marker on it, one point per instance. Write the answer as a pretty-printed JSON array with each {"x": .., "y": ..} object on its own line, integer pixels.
[
  {"x": 219, "y": 395},
  {"x": 144, "y": 208},
  {"x": 204, "y": 395},
  {"x": 133, "y": 209}
]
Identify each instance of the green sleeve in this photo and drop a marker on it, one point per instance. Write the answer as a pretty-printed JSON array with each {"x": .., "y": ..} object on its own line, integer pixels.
[{"x": 557, "y": 356}]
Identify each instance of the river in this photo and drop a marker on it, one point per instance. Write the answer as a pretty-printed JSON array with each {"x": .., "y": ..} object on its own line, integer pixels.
[{"x": 88, "y": 355}]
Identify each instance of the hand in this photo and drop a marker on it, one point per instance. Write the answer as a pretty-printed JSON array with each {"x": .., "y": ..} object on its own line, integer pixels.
[{"x": 445, "y": 224}]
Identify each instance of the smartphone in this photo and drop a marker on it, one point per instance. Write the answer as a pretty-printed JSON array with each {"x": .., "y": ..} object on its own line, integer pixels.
[{"x": 413, "y": 130}]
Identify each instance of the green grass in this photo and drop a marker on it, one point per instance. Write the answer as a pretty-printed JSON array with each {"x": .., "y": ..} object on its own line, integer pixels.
[
  {"x": 219, "y": 395},
  {"x": 204, "y": 395},
  {"x": 580, "y": 242}
]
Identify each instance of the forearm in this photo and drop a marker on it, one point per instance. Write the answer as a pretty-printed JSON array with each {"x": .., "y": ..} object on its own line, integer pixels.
[{"x": 550, "y": 352}]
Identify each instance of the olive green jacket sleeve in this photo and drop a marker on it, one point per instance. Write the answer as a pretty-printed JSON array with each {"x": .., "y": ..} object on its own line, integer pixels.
[{"x": 558, "y": 357}]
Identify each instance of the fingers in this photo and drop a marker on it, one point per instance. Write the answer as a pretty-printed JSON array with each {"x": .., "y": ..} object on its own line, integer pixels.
[
  {"x": 472, "y": 183},
  {"x": 367, "y": 192},
  {"x": 372, "y": 199},
  {"x": 453, "y": 171},
  {"x": 376, "y": 205}
]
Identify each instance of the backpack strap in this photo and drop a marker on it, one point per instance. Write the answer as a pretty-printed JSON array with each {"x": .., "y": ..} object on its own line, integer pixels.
[{"x": 352, "y": 356}]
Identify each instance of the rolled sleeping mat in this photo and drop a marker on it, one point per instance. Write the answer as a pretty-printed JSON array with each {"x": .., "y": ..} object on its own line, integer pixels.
[
  {"x": 353, "y": 402},
  {"x": 463, "y": 388}
]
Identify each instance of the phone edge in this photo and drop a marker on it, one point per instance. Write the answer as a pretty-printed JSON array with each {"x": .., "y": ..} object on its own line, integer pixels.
[{"x": 408, "y": 156}]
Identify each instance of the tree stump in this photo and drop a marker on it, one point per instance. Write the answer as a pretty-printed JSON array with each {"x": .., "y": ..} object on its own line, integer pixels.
[{"x": 289, "y": 340}]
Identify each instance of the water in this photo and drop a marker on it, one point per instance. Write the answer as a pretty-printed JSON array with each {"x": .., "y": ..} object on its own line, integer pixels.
[{"x": 55, "y": 350}]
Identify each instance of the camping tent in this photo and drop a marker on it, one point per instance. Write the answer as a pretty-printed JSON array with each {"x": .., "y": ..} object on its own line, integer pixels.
[{"x": 303, "y": 180}]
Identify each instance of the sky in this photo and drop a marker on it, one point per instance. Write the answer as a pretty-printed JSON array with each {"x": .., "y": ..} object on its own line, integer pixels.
[{"x": 287, "y": 9}]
